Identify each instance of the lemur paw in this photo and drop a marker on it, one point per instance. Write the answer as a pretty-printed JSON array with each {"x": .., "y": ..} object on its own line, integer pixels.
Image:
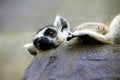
[{"x": 70, "y": 36}]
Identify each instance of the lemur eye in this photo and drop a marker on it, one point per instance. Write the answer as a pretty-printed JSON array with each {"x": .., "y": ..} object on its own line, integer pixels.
[{"x": 50, "y": 32}]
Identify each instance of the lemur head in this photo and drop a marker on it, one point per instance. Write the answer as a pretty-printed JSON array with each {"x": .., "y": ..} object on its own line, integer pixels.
[{"x": 50, "y": 36}]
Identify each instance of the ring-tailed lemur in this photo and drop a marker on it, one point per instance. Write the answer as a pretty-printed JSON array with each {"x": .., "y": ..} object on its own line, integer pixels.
[
  {"x": 52, "y": 36},
  {"x": 93, "y": 32}
]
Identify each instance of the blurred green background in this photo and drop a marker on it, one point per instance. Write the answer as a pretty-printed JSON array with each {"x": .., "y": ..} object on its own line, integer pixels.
[{"x": 20, "y": 19}]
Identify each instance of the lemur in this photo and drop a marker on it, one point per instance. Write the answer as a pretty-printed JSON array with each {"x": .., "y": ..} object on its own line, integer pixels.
[
  {"x": 51, "y": 36},
  {"x": 93, "y": 32}
]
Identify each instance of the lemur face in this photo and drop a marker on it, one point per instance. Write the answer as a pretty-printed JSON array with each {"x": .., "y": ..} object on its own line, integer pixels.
[
  {"x": 50, "y": 36},
  {"x": 46, "y": 39}
]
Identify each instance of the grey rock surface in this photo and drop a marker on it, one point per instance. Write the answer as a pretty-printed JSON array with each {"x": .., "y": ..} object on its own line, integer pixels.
[{"x": 76, "y": 62}]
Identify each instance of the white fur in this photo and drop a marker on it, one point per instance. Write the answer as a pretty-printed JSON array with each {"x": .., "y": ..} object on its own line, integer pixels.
[
  {"x": 30, "y": 47},
  {"x": 112, "y": 36},
  {"x": 57, "y": 20},
  {"x": 40, "y": 34},
  {"x": 114, "y": 32},
  {"x": 97, "y": 36}
]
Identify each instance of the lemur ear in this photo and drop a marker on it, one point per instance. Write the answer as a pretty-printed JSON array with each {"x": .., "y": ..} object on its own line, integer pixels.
[{"x": 61, "y": 23}]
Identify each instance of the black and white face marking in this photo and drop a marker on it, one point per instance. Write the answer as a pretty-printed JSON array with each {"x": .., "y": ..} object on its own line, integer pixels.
[
  {"x": 50, "y": 33},
  {"x": 44, "y": 43},
  {"x": 52, "y": 36},
  {"x": 44, "y": 39}
]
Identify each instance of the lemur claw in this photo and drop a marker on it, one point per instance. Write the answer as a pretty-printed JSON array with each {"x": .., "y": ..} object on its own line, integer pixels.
[{"x": 70, "y": 37}]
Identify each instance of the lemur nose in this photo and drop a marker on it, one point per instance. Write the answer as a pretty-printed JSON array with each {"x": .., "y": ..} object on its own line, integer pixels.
[
  {"x": 40, "y": 39},
  {"x": 43, "y": 39}
]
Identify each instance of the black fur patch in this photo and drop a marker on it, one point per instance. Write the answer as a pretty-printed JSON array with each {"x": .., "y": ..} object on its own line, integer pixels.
[
  {"x": 89, "y": 40},
  {"x": 43, "y": 43},
  {"x": 50, "y": 32},
  {"x": 64, "y": 24},
  {"x": 45, "y": 27}
]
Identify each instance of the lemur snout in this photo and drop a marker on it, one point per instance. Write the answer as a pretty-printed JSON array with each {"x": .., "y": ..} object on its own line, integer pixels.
[
  {"x": 39, "y": 41},
  {"x": 43, "y": 40},
  {"x": 43, "y": 43}
]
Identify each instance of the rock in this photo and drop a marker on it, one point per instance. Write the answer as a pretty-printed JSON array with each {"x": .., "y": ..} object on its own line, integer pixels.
[{"x": 76, "y": 62}]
